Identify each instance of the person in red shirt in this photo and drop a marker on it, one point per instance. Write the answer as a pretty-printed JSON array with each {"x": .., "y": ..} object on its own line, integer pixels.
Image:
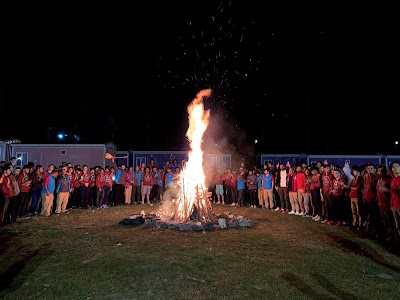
[
  {"x": 395, "y": 196},
  {"x": 383, "y": 197},
  {"x": 24, "y": 183},
  {"x": 147, "y": 184},
  {"x": 371, "y": 208},
  {"x": 355, "y": 195},
  {"x": 301, "y": 188}
]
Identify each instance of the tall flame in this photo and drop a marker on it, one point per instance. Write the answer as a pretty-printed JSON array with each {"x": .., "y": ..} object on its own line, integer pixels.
[{"x": 192, "y": 178}]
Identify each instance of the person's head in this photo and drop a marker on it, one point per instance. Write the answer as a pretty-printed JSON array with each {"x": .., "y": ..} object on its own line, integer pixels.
[
  {"x": 396, "y": 169},
  {"x": 7, "y": 169},
  {"x": 64, "y": 170},
  {"x": 337, "y": 173},
  {"x": 370, "y": 168},
  {"x": 355, "y": 170},
  {"x": 382, "y": 171}
]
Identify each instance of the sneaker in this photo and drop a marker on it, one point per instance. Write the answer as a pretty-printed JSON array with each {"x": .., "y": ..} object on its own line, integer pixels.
[
  {"x": 292, "y": 212},
  {"x": 324, "y": 221},
  {"x": 233, "y": 204},
  {"x": 317, "y": 219},
  {"x": 276, "y": 209},
  {"x": 297, "y": 213}
]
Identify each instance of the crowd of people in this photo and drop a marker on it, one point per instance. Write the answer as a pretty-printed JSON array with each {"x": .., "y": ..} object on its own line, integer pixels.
[{"x": 363, "y": 197}]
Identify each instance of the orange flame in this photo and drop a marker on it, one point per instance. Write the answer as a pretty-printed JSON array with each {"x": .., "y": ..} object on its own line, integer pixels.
[{"x": 192, "y": 178}]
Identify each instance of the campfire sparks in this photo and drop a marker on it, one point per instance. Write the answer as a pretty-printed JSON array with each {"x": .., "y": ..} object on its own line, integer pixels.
[{"x": 192, "y": 198}]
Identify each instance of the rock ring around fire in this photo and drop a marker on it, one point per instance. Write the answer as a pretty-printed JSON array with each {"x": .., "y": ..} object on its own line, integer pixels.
[{"x": 222, "y": 221}]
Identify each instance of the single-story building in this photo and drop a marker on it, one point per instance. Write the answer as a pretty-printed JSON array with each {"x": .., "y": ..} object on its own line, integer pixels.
[{"x": 77, "y": 154}]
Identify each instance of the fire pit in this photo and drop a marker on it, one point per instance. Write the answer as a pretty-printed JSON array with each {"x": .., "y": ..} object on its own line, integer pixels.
[{"x": 187, "y": 205}]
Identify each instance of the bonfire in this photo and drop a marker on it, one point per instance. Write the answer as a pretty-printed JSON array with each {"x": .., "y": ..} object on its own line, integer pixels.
[
  {"x": 188, "y": 203},
  {"x": 192, "y": 198}
]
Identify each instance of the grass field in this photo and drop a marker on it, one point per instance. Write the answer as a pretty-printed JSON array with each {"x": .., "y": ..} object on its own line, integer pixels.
[{"x": 87, "y": 254}]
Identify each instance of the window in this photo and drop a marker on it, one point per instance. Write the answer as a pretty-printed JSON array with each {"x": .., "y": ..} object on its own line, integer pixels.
[
  {"x": 22, "y": 159},
  {"x": 139, "y": 160}
]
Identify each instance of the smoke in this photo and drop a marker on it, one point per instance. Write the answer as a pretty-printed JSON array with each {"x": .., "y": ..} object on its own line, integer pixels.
[{"x": 224, "y": 136}]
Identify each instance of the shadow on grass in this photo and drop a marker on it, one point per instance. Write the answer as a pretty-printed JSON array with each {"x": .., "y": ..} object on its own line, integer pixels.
[
  {"x": 15, "y": 269},
  {"x": 307, "y": 290},
  {"x": 352, "y": 247}
]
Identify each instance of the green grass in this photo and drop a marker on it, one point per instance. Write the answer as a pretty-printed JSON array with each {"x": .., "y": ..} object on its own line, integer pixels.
[{"x": 87, "y": 254}]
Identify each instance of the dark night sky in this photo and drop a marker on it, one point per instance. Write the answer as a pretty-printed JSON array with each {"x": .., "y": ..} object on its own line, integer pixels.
[{"x": 313, "y": 82}]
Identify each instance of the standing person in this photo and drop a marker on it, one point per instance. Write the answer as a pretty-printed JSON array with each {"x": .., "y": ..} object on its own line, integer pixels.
[
  {"x": 137, "y": 186},
  {"x": 231, "y": 183},
  {"x": 281, "y": 187},
  {"x": 147, "y": 184},
  {"x": 13, "y": 204},
  {"x": 267, "y": 180},
  {"x": 260, "y": 190},
  {"x": 119, "y": 183},
  {"x": 37, "y": 178},
  {"x": 48, "y": 189},
  {"x": 301, "y": 189},
  {"x": 252, "y": 189},
  {"x": 292, "y": 189},
  {"x": 105, "y": 182},
  {"x": 316, "y": 194},
  {"x": 24, "y": 183},
  {"x": 154, "y": 196},
  {"x": 99, "y": 187},
  {"x": 395, "y": 196},
  {"x": 129, "y": 184},
  {"x": 369, "y": 199},
  {"x": 161, "y": 183},
  {"x": 327, "y": 186},
  {"x": 241, "y": 187},
  {"x": 63, "y": 191},
  {"x": 6, "y": 192},
  {"x": 219, "y": 186},
  {"x": 84, "y": 180},
  {"x": 338, "y": 191},
  {"x": 307, "y": 194},
  {"x": 383, "y": 196},
  {"x": 355, "y": 195},
  {"x": 75, "y": 183},
  {"x": 169, "y": 179}
]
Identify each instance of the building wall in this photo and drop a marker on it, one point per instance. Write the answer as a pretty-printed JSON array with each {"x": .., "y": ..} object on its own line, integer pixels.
[
  {"x": 45, "y": 154},
  {"x": 391, "y": 158},
  {"x": 135, "y": 157},
  {"x": 3, "y": 150},
  {"x": 277, "y": 158},
  {"x": 340, "y": 160}
]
